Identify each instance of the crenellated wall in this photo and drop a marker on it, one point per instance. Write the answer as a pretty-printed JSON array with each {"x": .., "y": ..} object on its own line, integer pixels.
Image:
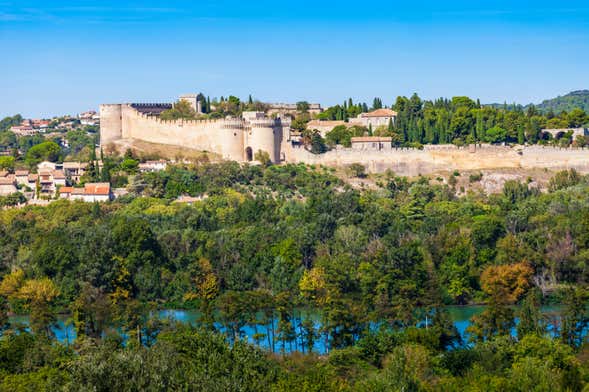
[
  {"x": 227, "y": 137},
  {"x": 240, "y": 140},
  {"x": 432, "y": 159}
]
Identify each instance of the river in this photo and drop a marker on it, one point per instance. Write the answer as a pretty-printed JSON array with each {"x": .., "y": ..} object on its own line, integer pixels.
[{"x": 64, "y": 331}]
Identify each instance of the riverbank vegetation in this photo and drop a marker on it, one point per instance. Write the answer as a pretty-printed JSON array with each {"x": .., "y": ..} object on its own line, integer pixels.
[{"x": 263, "y": 246}]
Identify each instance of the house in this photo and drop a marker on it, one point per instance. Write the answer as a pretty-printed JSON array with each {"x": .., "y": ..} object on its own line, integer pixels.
[
  {"x": 22, "y": 177},
  {"x": 58, "y": 178},
  {"x": 32, "y": 180},
  {"x": 74, "y": 170},
  {"x": 373, "y": 143},
  {"x": 376, "y": 118},
  {"x": 324, "y": 126},
  {"x": 23, "y": 130},
  {"x": 65, "y": 192},
  {"x": 47, "y": 187},
  {"x": 291, "y": 108},
  {"x": 42, "y": 124},
  {"x": 152, "y": 166},
  {"x": 46, "y": 165},
  {"x": 7, "y": 185},
  {"x": 88, "y": 118},
  {"x": 92, "y": 192}
]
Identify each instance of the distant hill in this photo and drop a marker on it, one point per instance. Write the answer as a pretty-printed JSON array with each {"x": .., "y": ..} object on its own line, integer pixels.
[{"x": 576, "y": 99}]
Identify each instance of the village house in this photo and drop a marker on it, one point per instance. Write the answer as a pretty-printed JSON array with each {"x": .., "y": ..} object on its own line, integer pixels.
[
  {"x": 373, "y": 143},
  {"x": 46, "y": 165},
  {"x": 65, "y": 192},
  {"x": 40, "y": 124},
  {"x": 22, "y": 177},
  {"x": 23, "y": 130},
  {"x": 91, "y": 192},
  {"x": 7, "y": 184},
  {"x": 376, "y": 118},
  {"x": 325, "y": 126},
  {"x": 89, "y": 118},
  {"x": 32, "y": 180},
  {"x": 152, "y": 166},
  {"x": 74, "y": 170}
]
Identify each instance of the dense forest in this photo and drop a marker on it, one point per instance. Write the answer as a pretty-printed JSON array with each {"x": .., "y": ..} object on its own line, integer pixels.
[
  {"x": 270, "y": 246},
  {"x": 573, "y": 100}
]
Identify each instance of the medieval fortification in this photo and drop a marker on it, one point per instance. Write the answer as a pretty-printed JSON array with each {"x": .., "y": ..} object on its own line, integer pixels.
[{"x": 240, "y": 139}]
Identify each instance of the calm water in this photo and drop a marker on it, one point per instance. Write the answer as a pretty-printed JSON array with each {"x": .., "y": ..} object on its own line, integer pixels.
[{"x": 461, "y": 315}]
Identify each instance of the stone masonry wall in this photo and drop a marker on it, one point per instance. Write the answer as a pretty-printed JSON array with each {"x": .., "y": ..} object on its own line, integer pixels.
[{"x": 432, "y": 159}]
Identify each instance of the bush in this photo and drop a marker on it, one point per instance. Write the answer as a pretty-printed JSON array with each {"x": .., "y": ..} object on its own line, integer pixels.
[
  {"x": 358, "y": 170},
  {"x": 475, "y": 177}
]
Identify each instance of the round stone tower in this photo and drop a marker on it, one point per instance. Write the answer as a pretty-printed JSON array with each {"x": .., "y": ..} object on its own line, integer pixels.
[
  {"x": 265, "y": 135},
  {"x": 229, "y": 138},
  {"x": 111, "y": 124}
]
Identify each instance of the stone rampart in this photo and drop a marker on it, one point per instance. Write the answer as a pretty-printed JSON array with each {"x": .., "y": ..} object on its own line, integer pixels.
[
  {"x": 433, "y": 159},
  {"x": 229, "y": 137}
]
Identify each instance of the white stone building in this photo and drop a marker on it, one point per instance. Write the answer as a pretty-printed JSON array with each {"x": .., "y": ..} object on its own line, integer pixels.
[{"x": 376, "y": 118}]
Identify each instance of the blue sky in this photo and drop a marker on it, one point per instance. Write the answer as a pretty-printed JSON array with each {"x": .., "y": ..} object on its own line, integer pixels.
[{"x": 63, "y": 57}]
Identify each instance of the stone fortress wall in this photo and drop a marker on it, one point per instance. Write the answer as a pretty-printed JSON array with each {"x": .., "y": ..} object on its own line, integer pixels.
[
  {"x": 438, "y": 158},
  {"x": 240, "y": 139},
  {"x": 234, "y": 139}
]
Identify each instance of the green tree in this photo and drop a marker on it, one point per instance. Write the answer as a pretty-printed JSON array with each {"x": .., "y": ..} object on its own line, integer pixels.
[{"x": 46, "y": 151}]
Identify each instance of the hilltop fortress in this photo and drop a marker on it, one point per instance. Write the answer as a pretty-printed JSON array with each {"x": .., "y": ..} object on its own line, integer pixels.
[
  {"x": 239, "y": 139},
  {"x": 235, "y": 139}
]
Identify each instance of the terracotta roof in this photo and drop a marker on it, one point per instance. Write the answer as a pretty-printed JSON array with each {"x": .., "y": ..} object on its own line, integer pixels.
[
  {"x": 58, "y": 174},
  {"x": 380, "y": 113},
  {"x": 45, "y": 172},
  {"x": 98, "y": 188},
  {"x": 66, "y": 189},
  {"x": 369, "y": 139},
  {"x": 21, "y": 173}
]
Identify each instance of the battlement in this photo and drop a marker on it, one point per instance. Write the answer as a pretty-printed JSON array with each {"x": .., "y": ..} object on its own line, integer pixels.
[{"x": 233, "y": 138}]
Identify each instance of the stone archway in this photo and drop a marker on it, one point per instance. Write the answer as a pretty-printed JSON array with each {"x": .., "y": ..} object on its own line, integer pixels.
[{"x": 249, "y": 154}]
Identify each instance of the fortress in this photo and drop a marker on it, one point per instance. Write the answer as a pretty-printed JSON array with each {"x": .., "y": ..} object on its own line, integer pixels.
[{"x": 239, "y": 139}]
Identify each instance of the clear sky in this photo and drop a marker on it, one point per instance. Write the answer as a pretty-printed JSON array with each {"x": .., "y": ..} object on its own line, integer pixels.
[{"x": 62, "y": 57}]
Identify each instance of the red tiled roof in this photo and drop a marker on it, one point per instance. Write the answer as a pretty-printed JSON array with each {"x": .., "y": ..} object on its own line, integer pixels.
[
  {"x": 380, "y": 113},
  {"x": 98, "y": 188},
  {"x": 66, "y": 189}
]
